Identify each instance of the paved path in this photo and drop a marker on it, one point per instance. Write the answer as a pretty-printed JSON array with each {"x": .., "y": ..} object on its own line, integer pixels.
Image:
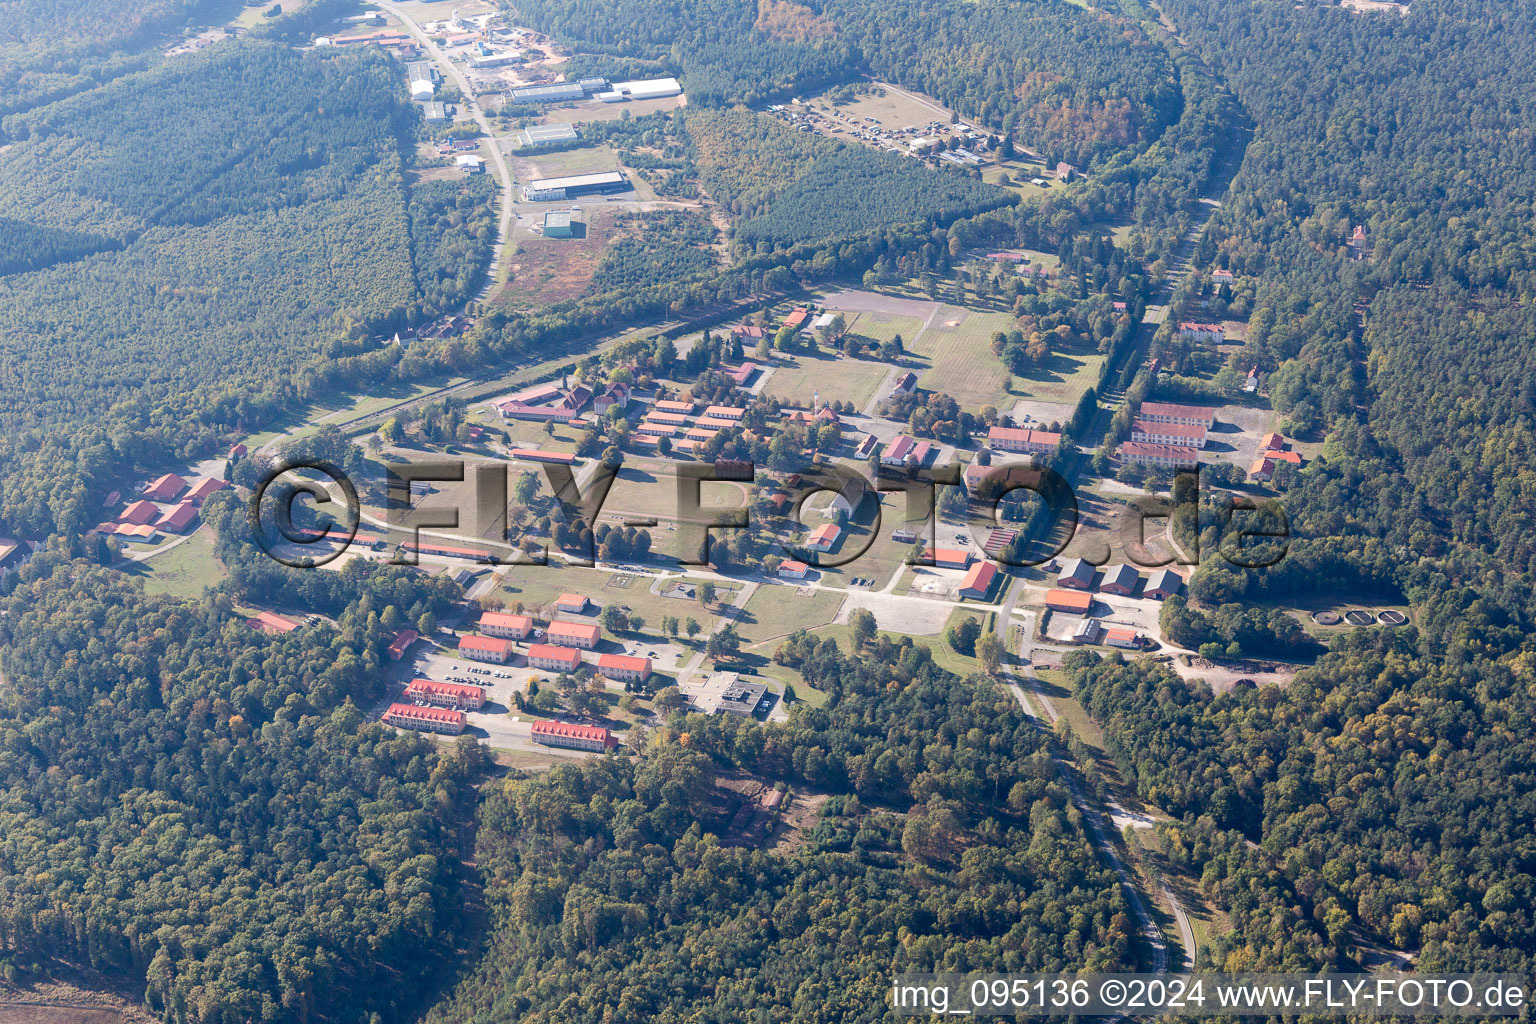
[
  {"x": 503, "y": 172},
  {"x": 1095, "y": 818}
]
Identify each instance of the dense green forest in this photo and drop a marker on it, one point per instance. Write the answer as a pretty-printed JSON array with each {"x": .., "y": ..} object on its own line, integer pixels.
[
  {"x": 1075, "y": 84},
  {"x": 167, "y": 272},
  {"x": 197, "y": 806},
  {"x": 947, "y": 844},
  {"x": 51, "y": 48},
  {"x": 789, "y": 187}
]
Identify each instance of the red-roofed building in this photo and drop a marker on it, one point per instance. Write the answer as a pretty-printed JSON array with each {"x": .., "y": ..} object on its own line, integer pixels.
[
  {"x": 724, "y": 412},
  {"x": 1173, "y": 456},
  {"x": 1068, "y": 601},
  {"x": 574, "y": 737},
  {"x": 1192, "y": 435},
  {"x": 897, "y": 450},
  {"x": 485, "y": 648},
  {"x": 1015, "y": 439},
  {"x": 165, "y": 488},
  {"x": 793, "y": 570},
  {"x": 797, "y": 317},
  {"x": 575, "y": 634},
  {"x": 576, "y": 604},
  {"x": 238, "y": 451},
  {"x": 272, "y": 623},
  {"x": 741, "y": 374},
  {"x": 554, "y": 658},
  {"x": 446, "y": 695},
  {"x": 905, "y": 384},
  {"x": 978, "y": 581},
  {"x": 1294, "y": 458},
  {"x": 948, "y": 558},
  {"x": 625, "y": 668},
  {"x": 139, "y": 513},
  {"x": 674, "y": 407},
  {"x": 824, "y": 537},
  {"x": 508, "y": 627},
  {"x": 1168, "y": 412},
  {"x": 204, "y": 487},
  {"x": 177, "y": 519},
  {"x": 536, "y": 455},
  {"x": 401, "y": 643},
  {"x": 1272, "y": 440},
  {"x": 409, "y": 716}
]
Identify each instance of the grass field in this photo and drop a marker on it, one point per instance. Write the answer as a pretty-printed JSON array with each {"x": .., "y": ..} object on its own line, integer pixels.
[
  {"x": 778, "y": 611},
  {"x": 833, "y": 379},
  {"x": 184, "y": 570},
  {"x": 884, "y": 326},
  {"x": 537, "y": 587},
  {"x": 958, "y": 350}
]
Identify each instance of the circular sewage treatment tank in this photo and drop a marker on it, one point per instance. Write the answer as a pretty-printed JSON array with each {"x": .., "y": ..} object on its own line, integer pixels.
[
  {"x": 1326, "y": 618},
  {"x": 1391, "y": 617},
  {"x": 1356, "y": 617}
]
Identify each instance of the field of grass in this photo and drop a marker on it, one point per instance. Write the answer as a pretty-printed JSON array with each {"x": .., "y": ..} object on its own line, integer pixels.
[
  {"x": 958, "y": 350},
  {"x": 538, "y": 586},
  {"x": 834, "y": 379},
  {"x": 184, "y": 570},
  {"x": 884, "y": 326},
  {"x": 778, "y": 611}
]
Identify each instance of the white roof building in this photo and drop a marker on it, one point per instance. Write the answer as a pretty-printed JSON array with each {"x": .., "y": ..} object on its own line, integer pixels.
[{"x": 421, "y": 89}]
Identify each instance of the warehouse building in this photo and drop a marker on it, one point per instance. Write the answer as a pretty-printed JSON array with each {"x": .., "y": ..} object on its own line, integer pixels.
[
  {"x": 548, "y": 93},
  {"x": 543, "y": 190},
  {"x": 537, "y": 135},
  {"x": 643, "y": 89},
  {"x": 560, "y": 224}
]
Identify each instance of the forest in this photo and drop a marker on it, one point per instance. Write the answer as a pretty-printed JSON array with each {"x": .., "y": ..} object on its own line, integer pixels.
[
  {"x": 166, "y": 273},
  {"x": 199, "y": 807},
  {"x": 944, "y": 842},
  {"x": 788, "y": 187}
]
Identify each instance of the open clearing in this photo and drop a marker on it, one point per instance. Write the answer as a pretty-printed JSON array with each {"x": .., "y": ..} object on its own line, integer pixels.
[
  {"x": 835, "y": 379},
  {"x": 957, "y": 346},
  {"x": 186, "y": 569}
]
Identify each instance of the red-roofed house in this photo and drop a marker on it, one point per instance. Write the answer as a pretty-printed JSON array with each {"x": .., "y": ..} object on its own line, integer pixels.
[
  {"x": 574, "y": 737},
  {"x": 409, "y": 716},
  {"x": 576, "y": 604},
  {"x": 978, "y": 581},
  {"x": 948, "y": 558},
  {"x": 508, "y": 627},
  {"x": 554, "y": 658},
  {"x": 204, "y": 487},
  {"x": 797, "y": 317},
  {"x": 165, "y": 488},
  {"x": 1015, "y": 439},
  {"x": 1272, "y": 440},
  {"x": 402, "y": 643},
  {"x": 139, "y": 513},
  {"x": 446, "y": 695},
  {"x": 793, "y": 570},
  {"x": 575, "y": 634},
  {"x": 625, "y": 668},
  {"x": 1068, "y": 601},
  {"x": 485, "y": 648},
  {"x": 824, "y": 537},
  {"x": 177, "y": 519}
]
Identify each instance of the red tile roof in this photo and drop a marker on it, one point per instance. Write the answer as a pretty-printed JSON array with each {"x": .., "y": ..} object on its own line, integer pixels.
[
  {"x": 570, "y": 731},
  {"x": 426, "y": 687},
  {"x": 139, "y": 513},
  {"x": 204, "y": 487},
  {"x": 588, "y": 631},
  {"x": 554, "y": 652},
  {"x": 412, "y": 713},
  {"x": 402, "y": 641},
  {"x": 179, "y": 518},
  {"x": 166, "y": 487},
  {"x": 624, "y": 662},
  {"x": 494, "y": 644},
  {"x": 501, "y": 620},
  {"x": 271, "y": 622},
  {"x": 979, "y": 578}
]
